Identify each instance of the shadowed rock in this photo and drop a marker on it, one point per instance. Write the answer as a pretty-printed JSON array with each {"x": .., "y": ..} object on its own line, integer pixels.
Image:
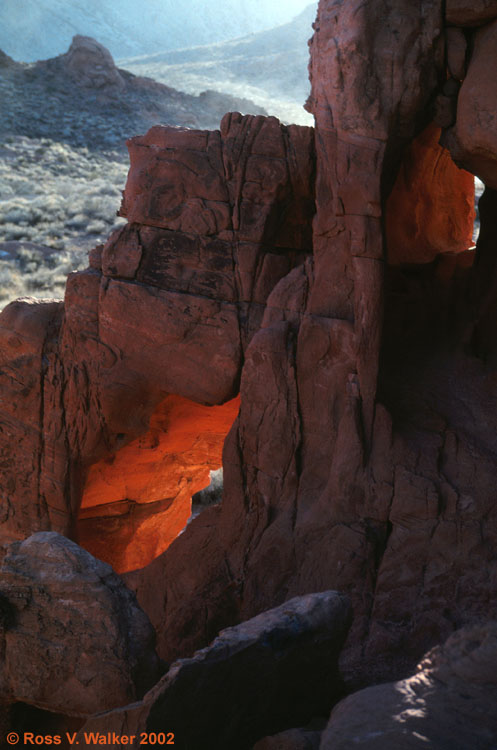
[
  {"x": 255, "y": 678},
  {"x": 449, "y": 704},
  {"x": 73, "y": 639},
  {"x": 472, "y": 140}
]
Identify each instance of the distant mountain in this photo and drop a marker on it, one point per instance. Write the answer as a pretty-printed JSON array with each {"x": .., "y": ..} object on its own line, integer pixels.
[
  {"x": 38, "y": 29},
  {"x": 83, "y": 99},
  {"x": 269, "y": 67}
]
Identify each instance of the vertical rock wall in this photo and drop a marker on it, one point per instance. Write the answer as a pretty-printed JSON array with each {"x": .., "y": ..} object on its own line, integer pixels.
[{"x": 362, "y": 457}]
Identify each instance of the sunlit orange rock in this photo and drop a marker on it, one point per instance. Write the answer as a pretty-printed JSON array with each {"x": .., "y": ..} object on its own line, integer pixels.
[
  {"x": 431, "y": 207},
  {"x": 137, "y": 500}
]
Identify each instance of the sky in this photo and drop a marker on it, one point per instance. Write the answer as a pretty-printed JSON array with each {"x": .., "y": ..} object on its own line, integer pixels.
[{"x": 38, "y": 29}]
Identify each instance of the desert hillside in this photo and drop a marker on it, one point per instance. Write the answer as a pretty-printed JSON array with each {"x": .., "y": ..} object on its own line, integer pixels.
[
  {"x": 63, "y": 159},
  {"x": 269, "y": 67}
]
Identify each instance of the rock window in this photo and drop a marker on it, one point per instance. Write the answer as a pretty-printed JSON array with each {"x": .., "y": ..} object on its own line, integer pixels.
[{"x": 137, "y": 500}]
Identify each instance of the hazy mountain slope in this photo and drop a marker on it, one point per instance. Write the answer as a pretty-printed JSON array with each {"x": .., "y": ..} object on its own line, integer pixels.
[
  {"x": 38, "y": 29},
  {"x": 63, "y": 160},
  {"x": 269, "y": 67},
  {"x": 82, "y": 99}
]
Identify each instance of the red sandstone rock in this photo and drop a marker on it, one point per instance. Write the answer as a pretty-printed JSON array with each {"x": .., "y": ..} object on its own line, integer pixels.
[
  {"x": 457, "y": 47},
  {"x": 91, "y": 65},
  {"x": 137, "y": 501},
  {"x": 316, "y": 509},
  {"x": 212, "y": 183},
  {"x": 351, "y": 466},
  {"x": 74, "y": 640},
  {"x": 338, "y": 476},
  {"x": 431, "y": 207},
  {"x": 26, "y": 328},
  {"x": 158, "y": 311},
  {"x": 470, "y": 12},
  {"x": 449, "y": 703},
  {"x": 473, "y": 141},
  {"x": 253, "y": 679}
]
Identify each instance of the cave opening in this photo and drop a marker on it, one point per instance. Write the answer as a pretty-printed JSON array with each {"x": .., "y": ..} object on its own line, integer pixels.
[
  {"x": 137, "y": 500},
  {"x": 210, "y": 495}
]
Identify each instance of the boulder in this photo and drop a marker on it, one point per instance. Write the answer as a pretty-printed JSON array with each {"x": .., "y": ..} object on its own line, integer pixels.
[
  {"x": 450, "y": 703},
  {"x": 472, "y": 141},
  {"x": 73, "y": 638},
  {"x": 254, "y": 679},
  {"x": 91, "y": 65}
]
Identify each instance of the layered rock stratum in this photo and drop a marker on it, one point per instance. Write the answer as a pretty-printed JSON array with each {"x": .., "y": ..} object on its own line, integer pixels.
[{"x": 326, "y": 277}]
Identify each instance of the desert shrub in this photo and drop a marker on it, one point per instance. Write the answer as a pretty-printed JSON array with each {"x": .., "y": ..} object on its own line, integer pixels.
[{"x": 64, "y": 198}]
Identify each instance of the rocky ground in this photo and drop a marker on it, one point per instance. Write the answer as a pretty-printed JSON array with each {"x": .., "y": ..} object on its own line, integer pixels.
[{"x": 63, "y": 160}]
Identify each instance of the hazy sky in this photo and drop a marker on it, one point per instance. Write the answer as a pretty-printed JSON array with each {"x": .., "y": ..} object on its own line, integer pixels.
[{"x": 37, "y": 29}]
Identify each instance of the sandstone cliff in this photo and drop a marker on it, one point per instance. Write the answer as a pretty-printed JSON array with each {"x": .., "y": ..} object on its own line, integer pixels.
[{"x": 327, "y": 278}]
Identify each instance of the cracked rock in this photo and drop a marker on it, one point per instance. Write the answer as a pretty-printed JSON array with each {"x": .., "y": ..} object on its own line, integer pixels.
[{"x": 73, "y": 638}]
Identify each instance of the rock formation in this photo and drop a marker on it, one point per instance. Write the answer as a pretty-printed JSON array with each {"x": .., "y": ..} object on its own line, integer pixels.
[
  {"x": 142, "y": 494},
  {"x": 90, "y": 65},
  {"x": 324, "y": 278},
  {"x": 276, "y": 668},
  {"x": 73, "y": 639},
  {"x": 448, "y": 703},
  {"x": 168, "y": 306},
  {"x": 472, "y": 139},
  {"x": 84, "y": 99}
]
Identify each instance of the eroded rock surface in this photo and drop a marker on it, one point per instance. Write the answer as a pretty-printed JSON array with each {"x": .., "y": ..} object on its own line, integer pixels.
[
  {"x": 363, "y": 455},
  {"x": 73, "y": 638},
  {"x": 430, "y": 210},
  {"x": 472, "y": 13},
  {"x": 448, "y": 704},
  {"x": 472, "y": 140},
  {"x": 162, "y": 309},
  {"x": 333, "y": 470},
  {"x": 91, "y": 65},
  {"x": 255, "y": 678},
  {"x": 137, "y": 501}
]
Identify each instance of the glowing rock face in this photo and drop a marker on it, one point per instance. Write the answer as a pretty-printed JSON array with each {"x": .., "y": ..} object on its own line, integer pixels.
[
  {"x": 137, "y": 500},
  {"x": 431, "y": 207}
]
